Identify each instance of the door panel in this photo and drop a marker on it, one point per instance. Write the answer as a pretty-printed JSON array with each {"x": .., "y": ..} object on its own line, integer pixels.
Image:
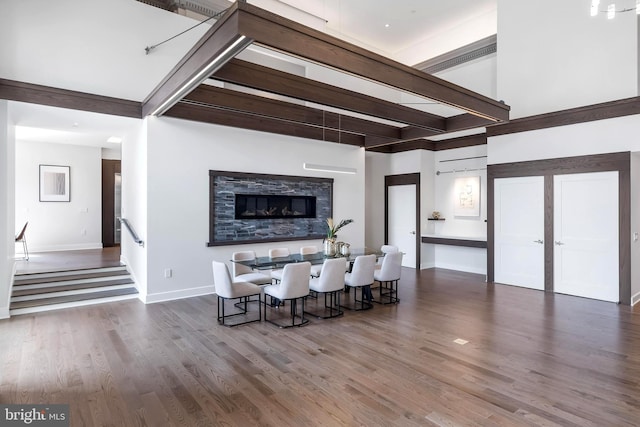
[
  {"x": 519, "y": 231},
  {"x": 402, "y": 220},
  {"x": 586, "y": 235}
]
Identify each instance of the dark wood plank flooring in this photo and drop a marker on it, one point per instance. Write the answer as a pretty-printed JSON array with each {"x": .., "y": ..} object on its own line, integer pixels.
[{"x": 531, "y": 359}]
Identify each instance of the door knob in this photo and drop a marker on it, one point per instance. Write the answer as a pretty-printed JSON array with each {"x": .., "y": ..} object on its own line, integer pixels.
[
  {"x": 558, "y": 243},
  {"x": 538, "y": 241},
  {"x": 412, "y": 232}
]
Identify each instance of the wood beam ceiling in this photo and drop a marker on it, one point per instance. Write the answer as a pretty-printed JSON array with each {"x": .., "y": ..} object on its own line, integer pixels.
[{"x": 244, "y": 24}]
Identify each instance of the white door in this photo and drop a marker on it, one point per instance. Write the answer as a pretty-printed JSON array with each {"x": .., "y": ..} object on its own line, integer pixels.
[
  {"x": 585, "y": 251},
  {"x": 402, "y": 221},
  {"x": 519, "y": 231}
]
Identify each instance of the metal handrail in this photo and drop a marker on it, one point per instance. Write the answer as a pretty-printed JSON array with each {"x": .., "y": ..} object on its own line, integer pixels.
[{"x": 132, "y": 231}]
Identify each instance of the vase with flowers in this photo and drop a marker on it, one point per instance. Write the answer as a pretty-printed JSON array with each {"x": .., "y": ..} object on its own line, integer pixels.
[{"x": 332, "y": 235}]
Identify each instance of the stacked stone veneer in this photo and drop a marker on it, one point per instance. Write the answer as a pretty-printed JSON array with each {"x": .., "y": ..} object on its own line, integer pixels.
[{"x": 228, "y": 229}]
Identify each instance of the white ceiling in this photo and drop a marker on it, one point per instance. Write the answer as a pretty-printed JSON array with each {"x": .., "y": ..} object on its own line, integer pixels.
[
  {"x": 391, "y": 26},
  {"x": 362, "y": 22}
]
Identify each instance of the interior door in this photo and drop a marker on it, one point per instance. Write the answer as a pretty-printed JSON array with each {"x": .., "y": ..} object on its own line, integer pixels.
[
  {"x": 586, "y": 235},
  {"x": 519, "y": 231},
  {"x": 402, "y": 221}
]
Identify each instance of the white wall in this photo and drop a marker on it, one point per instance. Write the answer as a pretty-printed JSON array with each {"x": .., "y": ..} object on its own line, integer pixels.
[
  {"x": 598, "y": 137},
  {"x": 478, "y": 75},
  {"x": 92, "y": 46},
  {"x": 552, "y": 55},
  {"x": 7, "y": 156},
  {"x": 59, "y": 225},
  {"x": 134, "y": 205},
  {"x": 180, "y": 155},
  {"x": 377, "y": 167},
  {"x": 454, "y": 164}
]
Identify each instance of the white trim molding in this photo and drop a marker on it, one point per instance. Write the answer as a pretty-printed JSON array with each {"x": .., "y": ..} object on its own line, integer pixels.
[
  {"x": 182, "y": 293},
  {"x": 635, "y": 299}
]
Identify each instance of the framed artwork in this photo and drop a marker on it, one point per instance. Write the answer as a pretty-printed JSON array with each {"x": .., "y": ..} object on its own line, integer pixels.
[
  {"x": 54, "y": 183},
  {"x": 467, "y": 196}
]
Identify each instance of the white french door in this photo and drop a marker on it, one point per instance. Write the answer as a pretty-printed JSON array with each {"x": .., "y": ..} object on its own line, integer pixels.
[
  {"x": 402, "y": 221},
  {"x": 519, "y": 231},
  {"x": 586, "y": 234}
]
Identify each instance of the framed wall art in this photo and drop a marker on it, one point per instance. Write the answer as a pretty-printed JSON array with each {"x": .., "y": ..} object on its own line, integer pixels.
[
  {"x": 55, "y": 183},
  {"x": 467, "y": 196}
]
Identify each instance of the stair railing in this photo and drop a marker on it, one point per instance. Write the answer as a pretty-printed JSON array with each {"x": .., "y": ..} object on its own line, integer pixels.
[{"x": 133, "y": 233}]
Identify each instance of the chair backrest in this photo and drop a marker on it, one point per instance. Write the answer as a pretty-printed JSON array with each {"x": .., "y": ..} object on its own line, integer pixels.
[
  {"x": 391, "y": 267},
  {"x": 332, "y": 275},
  {"x": 278, "y": 252},
  {"x": 308, "y": 250},
  {"x": 295, "y": 280},
  {"x": 363, "y": 269},
  {"x": 222, "y": 279},
  {"x": 388, "y": 249},
  {"x": 20, "y": 235},
  {"x": 239, "y": 269}
]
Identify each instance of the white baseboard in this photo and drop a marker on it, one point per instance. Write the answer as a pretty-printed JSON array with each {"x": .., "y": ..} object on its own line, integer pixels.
[
  {"x": 57, "y": 248},
  {"x": 4, "y": 312},
  {"x": 182, "y": 293},
  {"x": 427, "y": 265},
  {"x": 635, "y": 299}
]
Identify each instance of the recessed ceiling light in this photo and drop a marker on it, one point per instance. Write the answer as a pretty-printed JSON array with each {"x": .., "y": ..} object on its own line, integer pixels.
[
  {"x": 386, "y": 25},
  {"x": 114, "y": 139}
]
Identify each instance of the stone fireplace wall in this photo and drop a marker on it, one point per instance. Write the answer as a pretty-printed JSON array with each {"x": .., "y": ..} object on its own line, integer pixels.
[{"x": 226, "y": 230}]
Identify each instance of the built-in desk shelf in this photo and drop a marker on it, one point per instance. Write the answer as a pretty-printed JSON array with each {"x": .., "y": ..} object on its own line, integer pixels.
[
  {"x": 436, "y": 219},
  {"x": 470, "y": 242}
]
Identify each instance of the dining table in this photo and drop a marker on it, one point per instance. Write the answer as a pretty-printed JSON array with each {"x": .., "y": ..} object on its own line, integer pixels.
[{"x": 270, "y": 263}]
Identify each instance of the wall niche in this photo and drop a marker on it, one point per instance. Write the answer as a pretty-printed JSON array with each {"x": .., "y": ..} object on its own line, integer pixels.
[{"x": 253, "y": 208}]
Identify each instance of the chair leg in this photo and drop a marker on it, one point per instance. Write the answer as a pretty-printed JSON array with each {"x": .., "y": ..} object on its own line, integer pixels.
[
  {"x": 390, "y": 289},
  {"x": 364, "y": 305},
  {"x": 243, "y": 305},
  {"x": 293, "y": 312}
]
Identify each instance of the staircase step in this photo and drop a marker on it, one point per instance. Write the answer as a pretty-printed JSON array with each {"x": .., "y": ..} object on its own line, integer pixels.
[
  {"x": 35, "y": 292},
  {"x": 62, "y": 287},
  {"x": 89, "y": 296},
  {"x": 26, "y": 279},
  {"x": 75, "y": 283},
  {"x": 71, "y": 304}
]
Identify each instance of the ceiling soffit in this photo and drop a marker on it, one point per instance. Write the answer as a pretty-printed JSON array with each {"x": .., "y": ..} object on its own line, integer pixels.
[{"x": 244, "y": 24}]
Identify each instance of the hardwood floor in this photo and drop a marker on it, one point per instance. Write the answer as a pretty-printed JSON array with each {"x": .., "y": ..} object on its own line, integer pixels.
[
  {"x": 69, "y": 260},
  {"x": 531, "y": 359}
]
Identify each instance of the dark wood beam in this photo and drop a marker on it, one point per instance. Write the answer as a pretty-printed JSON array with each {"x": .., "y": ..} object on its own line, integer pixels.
[
  {"x": 270, "y": 80},
  {"x": 45, "y": 95},
  {"x": 258, "y": 105},
  {"x": 278, "y": 33},
  {"x": 219, "y": 44},
  {"x": 461, "y": 142},
  {"x": 589, "y": 113},
  {"x": 225, "y": 117}
]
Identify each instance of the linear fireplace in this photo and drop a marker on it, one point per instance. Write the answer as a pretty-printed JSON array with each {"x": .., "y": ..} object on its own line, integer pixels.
[{"x": 259, "y": 206}]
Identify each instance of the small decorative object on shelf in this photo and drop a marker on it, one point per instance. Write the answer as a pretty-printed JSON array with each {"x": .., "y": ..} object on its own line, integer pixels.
[{"x": 435, "y": 215}]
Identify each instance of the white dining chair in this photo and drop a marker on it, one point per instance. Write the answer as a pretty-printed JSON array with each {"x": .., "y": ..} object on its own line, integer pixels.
[
  {"x": 278, "y": 253},
  {"x": 242, "y": 273},
  {"x": 388, "y": 277},
  {"x": 330, "y": 283},
  {"x": 361, "y": 277},
  {"x": 226, "y": 289},
  {"x": 294, "y": 287},
  {"x": 311, "y": 250}
]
